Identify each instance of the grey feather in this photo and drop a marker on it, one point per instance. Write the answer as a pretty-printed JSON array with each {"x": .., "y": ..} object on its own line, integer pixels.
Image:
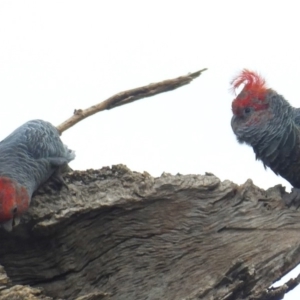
[
  {"x": 32, "y": 153},
  {"x": 275, "y": 137}
]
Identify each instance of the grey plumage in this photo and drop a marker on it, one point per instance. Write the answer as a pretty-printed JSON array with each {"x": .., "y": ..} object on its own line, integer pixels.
[
  {"x": 32, "y": 153},
  {"x": 275, "y": 139}
]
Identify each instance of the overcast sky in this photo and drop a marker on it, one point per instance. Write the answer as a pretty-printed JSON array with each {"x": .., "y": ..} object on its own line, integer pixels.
[{"x": 57, "y": 56}]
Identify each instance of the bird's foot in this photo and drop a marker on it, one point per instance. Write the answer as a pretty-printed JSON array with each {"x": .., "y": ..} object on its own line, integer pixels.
[
  {"x": 293, "y": 198},
  {"x": 55, "y": 183},
  {"x": 57, "y": 180}
]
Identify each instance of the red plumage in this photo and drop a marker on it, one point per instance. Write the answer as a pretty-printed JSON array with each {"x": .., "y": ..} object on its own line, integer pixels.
[
  {"x": 14, "y": 199},
  {"x": 253, "y": 93},
  {"x": 252, "y": 81}
]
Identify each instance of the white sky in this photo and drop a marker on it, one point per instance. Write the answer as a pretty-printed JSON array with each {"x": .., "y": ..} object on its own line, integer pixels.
[{"x": 56, "y": 56}]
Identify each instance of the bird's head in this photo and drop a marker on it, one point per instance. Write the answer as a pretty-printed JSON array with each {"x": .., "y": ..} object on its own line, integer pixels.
[
  {"x": 251, "y": 106},
  {"x": 14, "y": 201},
  {"x": 252, "y": 97}
]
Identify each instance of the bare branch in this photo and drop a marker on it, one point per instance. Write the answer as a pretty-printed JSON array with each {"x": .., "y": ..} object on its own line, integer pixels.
[
  {"x": 278, "y": 293},
  {"x": 128, "y": 96}
]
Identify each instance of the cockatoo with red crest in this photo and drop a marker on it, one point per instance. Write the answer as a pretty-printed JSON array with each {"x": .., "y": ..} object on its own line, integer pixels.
[{"x": 266, "y": 121}]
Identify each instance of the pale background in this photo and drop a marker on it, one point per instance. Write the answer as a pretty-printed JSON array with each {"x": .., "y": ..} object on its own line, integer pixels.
[{"x": 56, "y": 56}]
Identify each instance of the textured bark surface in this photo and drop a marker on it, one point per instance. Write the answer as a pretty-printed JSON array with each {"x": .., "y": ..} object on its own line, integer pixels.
[{"x": 117, "y": 234}]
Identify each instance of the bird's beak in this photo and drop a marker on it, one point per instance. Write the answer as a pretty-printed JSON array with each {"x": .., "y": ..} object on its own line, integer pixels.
[
  {"x": 9, "y": 225},
  {"x": 233, "y": 123},
  {"x": 16, "y": 221}
]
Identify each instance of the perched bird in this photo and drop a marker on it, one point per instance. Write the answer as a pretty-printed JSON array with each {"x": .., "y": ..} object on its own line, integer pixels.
[
  {"x": 266, "y": 121},
  {"x": 28, "y": 157}
]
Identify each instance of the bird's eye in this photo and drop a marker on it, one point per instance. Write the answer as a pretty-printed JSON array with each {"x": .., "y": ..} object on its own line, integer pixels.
[{"x": 247, "y": 110}]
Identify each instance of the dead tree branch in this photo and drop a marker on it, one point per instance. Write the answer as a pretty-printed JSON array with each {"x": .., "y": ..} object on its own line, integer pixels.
[
  {"x": 129, "y": 96},
  {"x": 119, "y": 235}
]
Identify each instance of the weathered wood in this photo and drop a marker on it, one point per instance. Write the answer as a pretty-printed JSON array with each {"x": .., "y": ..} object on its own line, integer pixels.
[
  {"x": 117, "y": 234},
  {"x": 129, "y": 96}
]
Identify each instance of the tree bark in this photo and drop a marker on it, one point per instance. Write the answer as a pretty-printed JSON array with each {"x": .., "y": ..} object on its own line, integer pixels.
[{"x": 117, "y": 234}]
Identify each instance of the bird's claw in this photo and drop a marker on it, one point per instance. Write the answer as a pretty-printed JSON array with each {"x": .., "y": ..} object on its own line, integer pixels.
[{"x": 58, "y": 181}]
